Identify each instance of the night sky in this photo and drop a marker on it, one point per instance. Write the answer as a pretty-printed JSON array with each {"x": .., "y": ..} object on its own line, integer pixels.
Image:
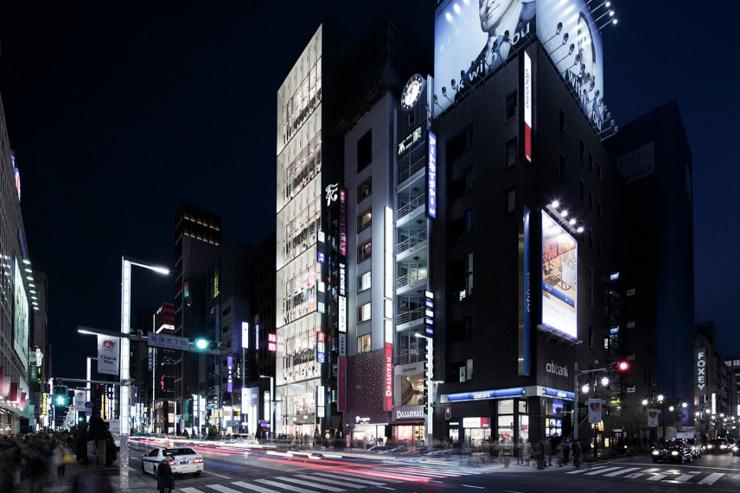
[{"x": 118, "y": 114}]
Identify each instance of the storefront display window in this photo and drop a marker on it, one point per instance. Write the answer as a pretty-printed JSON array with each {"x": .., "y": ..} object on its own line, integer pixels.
[{"x": 506, "y": 407}]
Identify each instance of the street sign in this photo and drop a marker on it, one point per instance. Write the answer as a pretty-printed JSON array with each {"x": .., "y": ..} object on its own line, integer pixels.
[{"x": 168, "y": 341}]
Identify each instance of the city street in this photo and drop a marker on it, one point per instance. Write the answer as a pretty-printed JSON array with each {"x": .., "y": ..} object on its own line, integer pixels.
[{"x": 228, "y": 470}]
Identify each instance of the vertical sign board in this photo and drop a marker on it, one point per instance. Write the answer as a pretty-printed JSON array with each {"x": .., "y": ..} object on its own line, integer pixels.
[
  {"x": 525, "y": 337},
  {"x": 245, "y": 335},
  {"x": 108, "y": 355},
  {"x": 701, "y": 372},
  {"x": 342, "y": 360},
  {"x": 527, "y": 107},
  {"x": 389, "y": 333},
  {"x": 432, "y": 177}
]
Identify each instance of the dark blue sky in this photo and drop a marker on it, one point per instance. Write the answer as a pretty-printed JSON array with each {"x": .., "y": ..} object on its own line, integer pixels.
[{"x": 119, "y": 114}]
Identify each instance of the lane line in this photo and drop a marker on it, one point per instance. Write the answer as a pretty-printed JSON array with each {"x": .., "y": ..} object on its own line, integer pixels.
[
  {"x": 353, "y": 478},
  {"x": 473, "y": 486},
  {"x": 621, "y": 471},
  {"x": 635, "y": 475},
  {"x": 216, "y": 474},
  {"x": 253, "y": 487},
  {"x": 310, "y": 484},
  {"x": 601, "y": 471},
  {"x": 689, "y": 466},
  {"x": 346, "y": 484},
  {"x": 222, "y": 489},
  {"x": 386, "y": 488},
  {"x": 656, "y": 477},
  {"x": 711, "y": 479},
  {"x": 284, "y": 486}
]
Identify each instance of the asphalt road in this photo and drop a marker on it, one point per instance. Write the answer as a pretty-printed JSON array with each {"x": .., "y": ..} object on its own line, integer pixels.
[{"x": 236, "y": 471}]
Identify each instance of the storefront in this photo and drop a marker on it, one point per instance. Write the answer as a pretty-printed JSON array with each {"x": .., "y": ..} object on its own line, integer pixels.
[
  {"x": 366, "y": 434},
  {"x": 408, "y": 425},
  {"x": 518, "y": 414}
]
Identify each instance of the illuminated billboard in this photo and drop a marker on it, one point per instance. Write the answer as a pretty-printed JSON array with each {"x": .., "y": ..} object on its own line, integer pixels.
[
  {"x": 473, "y": 39},
  {"x": 20, "y": 317},
  {"x": 559, "y": 279}
]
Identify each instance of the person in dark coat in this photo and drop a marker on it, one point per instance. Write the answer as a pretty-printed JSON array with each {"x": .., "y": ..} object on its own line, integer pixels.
[{"x": 165, "y": 478}]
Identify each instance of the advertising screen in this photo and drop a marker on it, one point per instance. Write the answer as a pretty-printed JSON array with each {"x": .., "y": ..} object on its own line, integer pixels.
[
  {"x": 20, "y": 317},
  {"x": 473, "y": 39},
  {"x": 409, "y": 384},
  {"x": 559, "y": 278}
]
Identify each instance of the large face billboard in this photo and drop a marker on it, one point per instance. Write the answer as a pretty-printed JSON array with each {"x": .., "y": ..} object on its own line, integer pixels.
[
  {"x": 20, "y": 317},
  {"x": 559, "y": 278},
  {"x": 474, "y": 38}
]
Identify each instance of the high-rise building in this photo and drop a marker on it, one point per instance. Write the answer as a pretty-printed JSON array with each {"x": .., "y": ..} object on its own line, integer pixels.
[
  {"x": 18, "y": 296},
  {"x": 197, "y": 243},
  {"x": 734, "y": 365}
]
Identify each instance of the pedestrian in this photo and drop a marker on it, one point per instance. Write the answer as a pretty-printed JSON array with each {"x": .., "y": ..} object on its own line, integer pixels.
[
  {"x": 519, "y": 452},
  {"x": 58, "y": 460},
  {"x": 528, "y": 451},
  {"x": 577, "y": 453},
  {"x": 548, "y": 450},
  {"x": 566, "y": 451},
  {"x": 507, "y": 452},
  {"x": 540, "y": 454},
  {"x": 165, "y": 478}
]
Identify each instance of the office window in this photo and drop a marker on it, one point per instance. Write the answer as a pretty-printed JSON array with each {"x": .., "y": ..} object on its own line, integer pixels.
[
  {"x": 562, "y": 124},
  {"x": 364, "y": 312},
  {"x": 511, "y": 200},
  {"x": 365, "y": 343},
  {"x": 365, "y": 150},
  {"x": 364, "y": 282},
  {"x": 461, "y": 226},
  {"x": 581, "y": 151},
  {"x": 365, "y": 189},
  {"x": 511, "y": 153},
  {"x": 365, "y": 220},
  {"x": 511, "y": 104},
  {"x": 461, "y": 185},
  {"x": 561, "y": 167},
  {"x": 364, "y": 251},
  {"x": 459, "y": 145},
  {"x": 462, "y": 277}
]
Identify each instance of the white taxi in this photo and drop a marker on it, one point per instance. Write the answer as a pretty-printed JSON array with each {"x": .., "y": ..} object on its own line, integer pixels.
[{"x": 182, "y": 460}]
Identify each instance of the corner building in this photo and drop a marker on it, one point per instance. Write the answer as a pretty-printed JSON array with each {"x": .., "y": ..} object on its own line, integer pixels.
[{"x": 522, "y": 242}]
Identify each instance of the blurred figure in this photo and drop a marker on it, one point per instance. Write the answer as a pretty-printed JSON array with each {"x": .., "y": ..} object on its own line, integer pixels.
[
  {"x": 165, "y": 478},
  {"x": 91, "y": 483}
]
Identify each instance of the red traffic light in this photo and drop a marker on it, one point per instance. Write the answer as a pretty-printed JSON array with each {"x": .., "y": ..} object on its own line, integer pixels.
[{"x": 623, "y": 366}]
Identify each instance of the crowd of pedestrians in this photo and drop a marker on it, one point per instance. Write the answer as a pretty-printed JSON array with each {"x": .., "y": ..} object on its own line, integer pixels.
[
  {"x": 540, "y": 454},
  {"x": 32, "y": 462}
]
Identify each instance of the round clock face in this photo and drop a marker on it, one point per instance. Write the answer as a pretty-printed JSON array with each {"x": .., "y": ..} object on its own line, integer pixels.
[{"x": 412, "y": 91}]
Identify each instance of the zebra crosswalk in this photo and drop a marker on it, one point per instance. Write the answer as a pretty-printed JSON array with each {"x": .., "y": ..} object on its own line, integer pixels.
[
  {"x": 653, "y": 474},
  {"x": 332, "y": 481}
]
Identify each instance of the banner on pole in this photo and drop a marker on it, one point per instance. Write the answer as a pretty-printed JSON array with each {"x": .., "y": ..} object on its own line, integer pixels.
[
  {"x": 652, "y": 418},
  {"x": 595, "y": 408},
  {"x": 108, "y": 354}
]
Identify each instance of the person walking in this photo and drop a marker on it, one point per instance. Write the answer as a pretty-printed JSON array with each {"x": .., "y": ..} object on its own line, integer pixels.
[
  {"x": 540, "y": 453},
  {"x": 528, "y": 451},
  {"x": 577, "y": 453},
  {"x": 507, "y": 452},
  {"x": 165, "y": 478},
  {"x": 566, "y": 451},
  {"x": 548, "y": 450}
]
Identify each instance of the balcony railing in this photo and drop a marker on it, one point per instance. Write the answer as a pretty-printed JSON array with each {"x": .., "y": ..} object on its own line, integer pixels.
[
  {"x": 411, "y": 206},
  {"x": 409, "y": 316},
  {"x": 412, "y": 278},
  {"x": 411, "y": 241}
]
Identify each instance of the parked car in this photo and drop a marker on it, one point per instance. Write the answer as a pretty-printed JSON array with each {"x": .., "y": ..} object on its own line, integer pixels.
[
  {"x": 672, "y": 451},
  {"x": 182, "y": 460},
  {"x": 697, "y": 450}
]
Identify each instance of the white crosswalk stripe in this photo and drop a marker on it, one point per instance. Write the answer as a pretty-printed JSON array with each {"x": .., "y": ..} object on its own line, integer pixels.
[
  {"x": 601, "y": 471},
  {"x": 711, "y": 479},
  {"x": 581, "y": 471},
  {"x": 253, "y": 487},
  {"x": 190, "y": 490},
  {"x": 284, "y": 486},
  {"x": 310, "y": 484},
  {"x": 621, "y": 471},
  {"x": 656, "y": 477},
  {"x": 356, "y": 479},
  {"x": 222, "y": 488},
  {"x": 346, "y": 484}
]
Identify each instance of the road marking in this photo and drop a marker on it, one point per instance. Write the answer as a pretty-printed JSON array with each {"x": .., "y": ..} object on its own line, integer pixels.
[
  {"x": 221, "y": 488},
  {"x": 711, "y": 479},
  {"x": 353, "y": 478},
  {"x": 215, "y": 474},
  {"x": 656, "y": 477},
  {"x": 309, "y": 483},
  {"x": 436, "y": 482},
  {"x": 580, "y": 471},
  {"x": 634, "y": 475},
  {"x": 386, "y": 488},
  {"x": 473, "y": 486},
  {"x": 601, "y": 471},
  {"x": 621, "y": 471},
  {"x": 685, "y": 477},
  {"x": 190, "y": 490},
  {"x": 253, "y": 487},
  {"x": 331, "y": 481},
  {"x": 692, "y": 466},
  {"x": 284, "y": 486}
]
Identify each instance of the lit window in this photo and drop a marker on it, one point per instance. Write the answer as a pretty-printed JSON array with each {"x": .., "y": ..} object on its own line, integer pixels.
[
  {"x": 364, "y": 312},
  {"x": 365, "y": 343},
  {"x": 365, "y": 189},
  {"x": 364, "y": 282},
  {"x": 365, "y": 220},
  {"x": 364, "y": 251}
]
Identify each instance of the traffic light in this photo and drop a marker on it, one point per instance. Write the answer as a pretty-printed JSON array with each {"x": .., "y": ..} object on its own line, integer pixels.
[
  {"x": 201, "y": 344},
  {"x": 623, "y": 366},
  {"x": 61, "y": 400}
]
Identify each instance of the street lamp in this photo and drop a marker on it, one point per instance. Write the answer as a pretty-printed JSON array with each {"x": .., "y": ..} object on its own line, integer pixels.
[
  {"x": 272, "y": 420},
  {"x": 660, "y": 398},
  {"x": 586, "y": 388},
  {"x": 684, "y": 405},
  {"x": 604, "y": 381},
  {"x": 644, "y": 402},
  {"x": 671, "y": 408},
  {"x": 125, "y": 373}
]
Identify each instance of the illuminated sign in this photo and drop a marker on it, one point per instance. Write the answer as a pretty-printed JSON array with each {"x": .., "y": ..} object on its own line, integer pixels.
[
  {"x": 432, "y": 177},
  {"x": 20, "y": 316},
  {"x": 701, "y": 371},
  {"x": 342, "y": 222},
  {"x": 342, "y": 301},
  {"x": 229, "y": 374},
  {"x": 271, "y": 342},
  {"x": 559, "y": 279},
  {"x": 527, "y": 107},
  {"x": 320, "y": 401},
  {"x": 412, "y": 92},
  {"x": 342, "y": 314},
  {"x": 331, "y": 193},
  {"x": 320, "y": 347},
  {"x": 556, "y": 369},
  {"x": 388, "y": 376},
  {"x": 485, "y": 395},
  {"x": 245, "y": 335},
  {"x": 410, "y": 412},
  {"x": 429, "y": 313},
  {"x": 409, "y": 141},
  {"x": 482, "y": 422}
]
